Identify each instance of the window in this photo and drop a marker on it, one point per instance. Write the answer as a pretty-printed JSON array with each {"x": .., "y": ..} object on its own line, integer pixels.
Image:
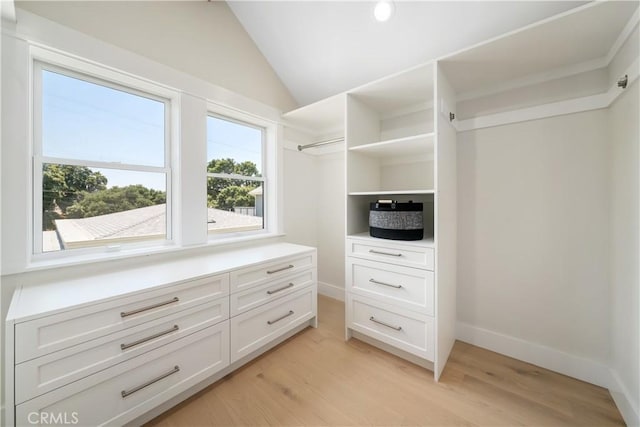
[
  {"x": 101, "y": 163},
  {"x": 235, "y": 176}
]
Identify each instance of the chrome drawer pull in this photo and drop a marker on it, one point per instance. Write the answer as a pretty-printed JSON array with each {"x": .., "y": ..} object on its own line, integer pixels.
[
  {"x": 151, "y": 307},
  {"x": 280, "y": 289},
  {"x": 385, "y": 284},
  {"x": 397, "y": 328},
  {"x": 126, "y": 393},
  {"x": 280, "y": 269},
  {"x": 373, "y": 251},
  {"x": 143, "y": 340},
  {"x": 271, "y": 322}
]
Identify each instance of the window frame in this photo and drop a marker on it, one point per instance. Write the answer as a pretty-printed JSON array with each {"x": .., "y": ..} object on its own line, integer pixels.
[
  {"x": 191, "y": 100},
  {"x": 269, "y": 180},
  {"x": 109, "y": 79}
]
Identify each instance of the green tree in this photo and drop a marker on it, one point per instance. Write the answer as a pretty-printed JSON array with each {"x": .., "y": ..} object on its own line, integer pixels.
[
  {"x": 227, "y": 193},
  {"x": 114, "y": 199},
  {"x": 232, "y": 196},
  {"x": 62, "y": 185}
]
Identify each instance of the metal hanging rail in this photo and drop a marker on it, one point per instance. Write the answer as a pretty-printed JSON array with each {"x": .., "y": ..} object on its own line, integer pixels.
[{"x": 319, "y": 143}]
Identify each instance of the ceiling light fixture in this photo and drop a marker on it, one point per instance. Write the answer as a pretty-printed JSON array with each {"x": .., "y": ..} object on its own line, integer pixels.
[{"x": 383, "y": 10}]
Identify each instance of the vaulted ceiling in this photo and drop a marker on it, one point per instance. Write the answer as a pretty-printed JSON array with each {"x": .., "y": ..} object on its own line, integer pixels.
[{"x": 320, "y": 48}]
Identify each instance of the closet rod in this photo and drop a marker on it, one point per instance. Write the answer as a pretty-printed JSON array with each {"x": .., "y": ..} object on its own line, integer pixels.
[{"x": 319, "y": 143}]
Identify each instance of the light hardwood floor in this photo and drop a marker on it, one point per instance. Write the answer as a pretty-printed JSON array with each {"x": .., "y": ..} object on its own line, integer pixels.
[{"x": 317, "y": 379}]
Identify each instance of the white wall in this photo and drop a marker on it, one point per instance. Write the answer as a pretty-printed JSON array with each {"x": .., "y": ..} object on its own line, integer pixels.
[
  {"x": 300, "y": 188},
  {"x": 331, "y": 224},
  {"x": 314, "y": 211},
  {"x": 625, "y": 254},
  {"x": 201, "y": 38},
  {"x": 533, "y": 220}
]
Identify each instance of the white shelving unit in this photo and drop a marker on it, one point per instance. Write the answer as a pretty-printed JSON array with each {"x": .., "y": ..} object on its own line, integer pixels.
[
  {"x": 392, "y": 152},
  {"x": 390, "y": 143},
  {"x": 390, "y": 131}
]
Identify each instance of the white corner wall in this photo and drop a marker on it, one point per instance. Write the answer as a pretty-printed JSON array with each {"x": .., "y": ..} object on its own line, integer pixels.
[
  {"x": 203, "y": 39},
  {"x": 300, "y": 187},
  {"x": 624, "y": 137},
  {"x": 533, "y": 221},
  {"x": 315, "y": 212},
  {"x": 331, "y": 224}
]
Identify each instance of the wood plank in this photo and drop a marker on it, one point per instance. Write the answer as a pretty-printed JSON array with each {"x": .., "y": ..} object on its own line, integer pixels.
[{"x": 316, "y": 378}]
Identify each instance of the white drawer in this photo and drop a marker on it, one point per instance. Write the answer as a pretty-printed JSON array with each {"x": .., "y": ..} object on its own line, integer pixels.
[
  {"x": 391, "y": 252},
  {"x": 256, "y": 296},
  {"x": 407, "y": 331},
  {"x": 255, "y": 328},
  {"x": 98, "y": 399},
  {"x": 245, "y": 278},
  {"x": 407, "y": 287},
  {"x": 46, "y": 373},
  {"x": 45, "y": 335}
]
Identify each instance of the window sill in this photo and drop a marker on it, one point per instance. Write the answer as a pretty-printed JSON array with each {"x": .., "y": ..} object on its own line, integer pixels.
[{"x": 132, "y": 254}]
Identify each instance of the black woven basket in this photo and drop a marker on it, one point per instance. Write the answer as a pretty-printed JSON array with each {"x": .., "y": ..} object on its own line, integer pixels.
[{"x": 396, "y": 221}]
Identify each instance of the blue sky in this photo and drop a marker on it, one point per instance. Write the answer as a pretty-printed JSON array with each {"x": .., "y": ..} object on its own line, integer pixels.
[
  {"x": 230, "y": 139},
  {"x": 86, "y": 121}
]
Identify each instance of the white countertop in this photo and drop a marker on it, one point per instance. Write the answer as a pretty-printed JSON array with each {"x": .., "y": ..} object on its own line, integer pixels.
[
  {"x": 44, "y": 299},
  {"x": 427, "y": 242}
]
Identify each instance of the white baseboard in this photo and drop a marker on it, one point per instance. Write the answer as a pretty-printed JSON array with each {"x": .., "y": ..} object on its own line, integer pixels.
[
  {"x": 627, "y": 406},
  {"x": 546, "y": 357},
  {"x": 331, "y": 291}
]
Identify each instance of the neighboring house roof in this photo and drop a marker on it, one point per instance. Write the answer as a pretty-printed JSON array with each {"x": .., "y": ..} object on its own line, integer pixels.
[
  {"x": 50, "y": 241},
  {"x": 135, "y": 225},
  {"x": 227, "y": 221},
  {"x": 256, "y": 191}
]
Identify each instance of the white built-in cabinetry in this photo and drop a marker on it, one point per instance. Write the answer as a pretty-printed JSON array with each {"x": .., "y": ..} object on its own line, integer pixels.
[
  {"x": 396, "y": 148},
  {"x": 108, "y": 348},
  {"x": 391, "y": 293},
  {"x": 398, "y": 144},
  {"x": 400, "y": 134}
]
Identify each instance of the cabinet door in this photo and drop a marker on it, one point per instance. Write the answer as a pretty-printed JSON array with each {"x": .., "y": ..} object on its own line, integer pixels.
[{"x": 125, "y": 391}]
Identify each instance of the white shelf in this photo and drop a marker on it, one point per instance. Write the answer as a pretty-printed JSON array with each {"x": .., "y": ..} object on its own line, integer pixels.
[
  {"x": 324, "y": 116},
  {"x": 384, "y": 193},
  {"x": 406, "y": 89},
  {"x": 517, "y": 56},
  {"x": 408, "y": 146},
  {"x": 426, "y": 242}
]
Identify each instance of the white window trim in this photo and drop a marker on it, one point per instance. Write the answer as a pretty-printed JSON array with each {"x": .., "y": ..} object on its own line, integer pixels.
[
  {"x": 236, "y": 176},
  {"x": 92, "y": 73},
  {"x": 270, "y": 179}
]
